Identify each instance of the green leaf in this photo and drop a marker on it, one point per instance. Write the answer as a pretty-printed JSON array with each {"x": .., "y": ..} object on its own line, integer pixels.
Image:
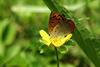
[
  {"x": 11, "y": 34},
  {"x": 7, "y": 32},
  {"x": 81, "y": 34},
  {"x": 3, "y": 25},
  {"x": 2, "y": 49},
  {"x": 11, "y": 53}
]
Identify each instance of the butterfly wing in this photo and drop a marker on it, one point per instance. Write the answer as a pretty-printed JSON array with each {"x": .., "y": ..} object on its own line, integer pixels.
[
  {"x": 53, "y": 21},
  {"x": 59, "y": 25}
]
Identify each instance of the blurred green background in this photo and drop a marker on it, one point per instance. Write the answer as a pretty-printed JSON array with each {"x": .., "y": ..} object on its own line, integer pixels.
[{"x": 20, "y": 22}]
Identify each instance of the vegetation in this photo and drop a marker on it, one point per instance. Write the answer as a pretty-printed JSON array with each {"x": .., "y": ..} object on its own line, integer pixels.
[{"x": 21, "y": 21}]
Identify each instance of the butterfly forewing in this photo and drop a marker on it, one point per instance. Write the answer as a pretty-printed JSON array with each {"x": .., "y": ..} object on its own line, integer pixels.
[{"x": 59, "y": 25}]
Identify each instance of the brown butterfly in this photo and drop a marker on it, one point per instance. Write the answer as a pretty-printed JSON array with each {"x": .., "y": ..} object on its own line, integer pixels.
[{"x": 59, "y": 26}]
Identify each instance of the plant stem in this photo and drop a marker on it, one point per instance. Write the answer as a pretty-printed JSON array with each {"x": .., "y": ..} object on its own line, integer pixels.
[{"x": 57, "y": 56}]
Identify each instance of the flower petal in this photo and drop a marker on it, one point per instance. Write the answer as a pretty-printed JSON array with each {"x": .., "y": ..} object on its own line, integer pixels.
[
  {"x": 67, "y": 38},
  {"x": 57, "y": 42},
  {"x": 45, "y": 37}
]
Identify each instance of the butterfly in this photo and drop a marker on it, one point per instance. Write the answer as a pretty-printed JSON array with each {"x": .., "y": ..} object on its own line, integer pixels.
[{"x": 59, "y": 26}]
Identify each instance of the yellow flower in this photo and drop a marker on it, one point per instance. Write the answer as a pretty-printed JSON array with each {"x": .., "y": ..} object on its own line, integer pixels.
[{"x": 56, "y": 41}]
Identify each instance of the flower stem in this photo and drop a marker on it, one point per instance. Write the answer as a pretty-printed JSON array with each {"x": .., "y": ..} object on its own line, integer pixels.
[{"x": 57, "y": 56}]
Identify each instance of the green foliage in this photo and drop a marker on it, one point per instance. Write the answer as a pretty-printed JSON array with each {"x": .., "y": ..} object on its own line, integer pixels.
[
  {"x": 21, "y": 21},
  {"x": 81, "y": 34}
]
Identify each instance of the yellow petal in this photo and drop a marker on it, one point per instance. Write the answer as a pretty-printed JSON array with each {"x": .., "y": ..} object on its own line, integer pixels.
[
  {"x": 67, "y": 38},
  {"x": 57, "y": 42},
  {"x": 45, "y": 37}
]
